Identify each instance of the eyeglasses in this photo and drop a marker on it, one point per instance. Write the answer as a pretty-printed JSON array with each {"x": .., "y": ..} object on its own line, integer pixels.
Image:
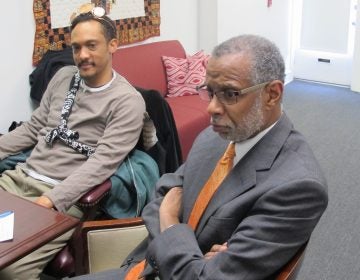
[{"x": 226, "y": 96}]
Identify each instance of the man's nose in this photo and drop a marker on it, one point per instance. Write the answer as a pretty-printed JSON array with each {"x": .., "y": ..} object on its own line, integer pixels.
[
  {"x": 83, "y": 53},
  {"x": 215, "y": 107}
]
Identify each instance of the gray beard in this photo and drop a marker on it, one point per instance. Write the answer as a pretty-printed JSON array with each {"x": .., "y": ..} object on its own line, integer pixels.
[{"x": 250, "y": 125}]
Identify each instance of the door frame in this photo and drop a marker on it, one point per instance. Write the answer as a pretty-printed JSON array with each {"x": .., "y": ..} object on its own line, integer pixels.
[{"x": 296, "y": 16}]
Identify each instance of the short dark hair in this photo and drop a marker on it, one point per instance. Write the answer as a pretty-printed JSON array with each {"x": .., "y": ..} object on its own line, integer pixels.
[{"x": 108, "y": 26}]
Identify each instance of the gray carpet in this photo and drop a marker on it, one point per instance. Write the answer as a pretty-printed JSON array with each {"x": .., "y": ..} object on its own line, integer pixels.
[{"x": 329, "y": 117}]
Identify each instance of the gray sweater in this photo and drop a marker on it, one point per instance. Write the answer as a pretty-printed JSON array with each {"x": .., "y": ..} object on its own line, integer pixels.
[{"x": 109, "y": 120}]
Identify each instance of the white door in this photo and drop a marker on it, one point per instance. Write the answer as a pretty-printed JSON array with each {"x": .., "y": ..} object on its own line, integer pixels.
[{"x": 324, "y": 49}]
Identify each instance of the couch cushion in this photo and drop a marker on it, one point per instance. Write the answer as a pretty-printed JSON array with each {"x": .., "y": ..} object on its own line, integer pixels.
[
  {"x": 184, "y": 74},
  {"x": 191, "y": 117},
  {"x": 142, "y": 66}
]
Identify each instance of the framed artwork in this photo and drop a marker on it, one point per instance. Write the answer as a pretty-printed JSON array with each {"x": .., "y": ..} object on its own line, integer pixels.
[{"x": 135, "y": 20}]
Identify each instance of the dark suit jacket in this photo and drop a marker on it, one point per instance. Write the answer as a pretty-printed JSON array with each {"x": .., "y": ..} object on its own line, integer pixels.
[{"x": 265, "y": 209}]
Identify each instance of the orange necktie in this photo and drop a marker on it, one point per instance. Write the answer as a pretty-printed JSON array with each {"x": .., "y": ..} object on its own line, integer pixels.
[
  {"x": 222, "y": 168},
  {"x": 135, "y": 272}
]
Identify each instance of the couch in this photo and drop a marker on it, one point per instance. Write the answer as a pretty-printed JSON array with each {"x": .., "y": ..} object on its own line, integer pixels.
[{"x": 143, "y": 67}]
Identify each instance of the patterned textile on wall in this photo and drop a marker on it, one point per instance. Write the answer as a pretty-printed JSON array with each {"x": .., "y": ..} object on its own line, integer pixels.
[{"x": 130, "y": 30}]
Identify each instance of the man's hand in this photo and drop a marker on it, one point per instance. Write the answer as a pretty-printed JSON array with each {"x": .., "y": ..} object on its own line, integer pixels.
[
  {"x": 44, "y": 201},
  {"x": 215, "y": 249},
  {"x": 170, "y": 208}
]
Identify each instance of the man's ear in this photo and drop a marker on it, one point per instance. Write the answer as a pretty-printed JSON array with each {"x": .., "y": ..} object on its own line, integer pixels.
[
  {"x": 113, "y": 45},
  {"x": 275, "y": 92}
]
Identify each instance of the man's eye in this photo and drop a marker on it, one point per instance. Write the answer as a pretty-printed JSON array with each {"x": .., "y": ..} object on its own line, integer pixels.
[
  {"x": 92, "y": 46},
  {"x": 229, "y": 93},
  {"x": 75, "y": 48}
]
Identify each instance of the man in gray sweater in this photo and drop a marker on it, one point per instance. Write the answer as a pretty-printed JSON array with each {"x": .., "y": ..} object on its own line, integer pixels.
[{"x": 89, "y": 119}]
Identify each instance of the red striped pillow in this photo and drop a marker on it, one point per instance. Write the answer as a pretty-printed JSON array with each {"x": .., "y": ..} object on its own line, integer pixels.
[{"x": 184, "y": 74}]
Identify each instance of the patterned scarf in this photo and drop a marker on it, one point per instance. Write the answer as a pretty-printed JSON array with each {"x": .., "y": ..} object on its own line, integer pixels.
[{"x": 62, "y": 132}]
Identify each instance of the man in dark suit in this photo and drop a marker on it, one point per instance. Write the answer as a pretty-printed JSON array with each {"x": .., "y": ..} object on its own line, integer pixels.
[{"x": 269, "y": 203}]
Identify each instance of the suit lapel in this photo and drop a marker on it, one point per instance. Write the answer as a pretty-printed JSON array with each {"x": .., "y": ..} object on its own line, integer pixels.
[{"x": 243, "y": 176}]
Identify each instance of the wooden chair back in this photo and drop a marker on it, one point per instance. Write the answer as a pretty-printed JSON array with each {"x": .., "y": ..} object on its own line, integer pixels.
[{"x": 291, "y": 269}]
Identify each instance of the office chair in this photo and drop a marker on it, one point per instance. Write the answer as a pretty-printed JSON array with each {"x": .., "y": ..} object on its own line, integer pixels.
[
  {"x": 105, "y": 244},
  {"x": 64, "y": 264},
  {"x": 291, "y": 269}
]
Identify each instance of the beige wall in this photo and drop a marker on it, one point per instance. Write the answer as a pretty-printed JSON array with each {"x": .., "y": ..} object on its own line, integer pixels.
[
  {"x": 178, "y": 21},
  {"x": 17, "y": 33},
  {"x": 220, "y": 20}
]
